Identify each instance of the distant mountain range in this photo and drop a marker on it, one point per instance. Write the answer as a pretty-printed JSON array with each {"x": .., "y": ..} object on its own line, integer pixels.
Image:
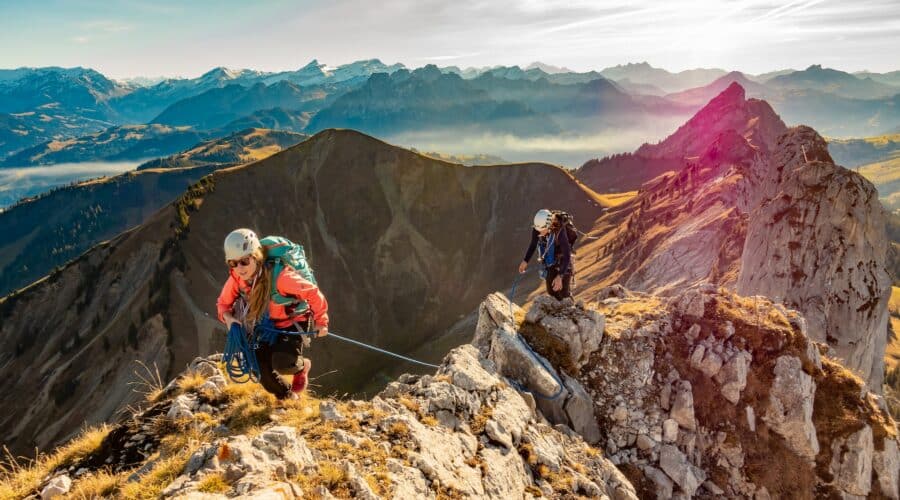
[{"x": 44, "y": 106}]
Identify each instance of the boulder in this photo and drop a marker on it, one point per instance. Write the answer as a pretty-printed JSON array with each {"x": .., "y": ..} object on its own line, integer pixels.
[
  {"x": 683, "y": 473},
  {"x": 58, "y": 486},
  {"x": 733, "y": 376}
]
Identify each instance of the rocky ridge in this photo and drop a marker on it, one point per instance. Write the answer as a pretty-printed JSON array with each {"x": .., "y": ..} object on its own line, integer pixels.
[
  {"x": 708, "y": 394},
  {"x": 759, "y": 215},
  {"x": 462, "y": 432},
  {"x": 705, "y": 394}
]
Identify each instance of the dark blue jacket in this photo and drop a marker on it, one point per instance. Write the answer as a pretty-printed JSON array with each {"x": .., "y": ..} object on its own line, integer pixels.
[{"x": 561, "y": 253}]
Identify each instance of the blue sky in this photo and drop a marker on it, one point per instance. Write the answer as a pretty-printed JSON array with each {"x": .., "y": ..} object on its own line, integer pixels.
[{"x": 151, "y": 38}]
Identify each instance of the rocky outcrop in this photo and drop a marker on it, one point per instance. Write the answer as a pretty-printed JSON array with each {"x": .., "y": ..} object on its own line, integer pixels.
[
  {"x": 818, "y": 244},
  {"x": 762, "y": 209},
  {"x": 460, "y": 432},
  {"x": 702, "y": 393},
  {"x": 561, "y": 398}
]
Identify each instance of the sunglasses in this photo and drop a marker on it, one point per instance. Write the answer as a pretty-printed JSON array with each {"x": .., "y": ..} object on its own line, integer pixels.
[{"x": 243, "y": 262}]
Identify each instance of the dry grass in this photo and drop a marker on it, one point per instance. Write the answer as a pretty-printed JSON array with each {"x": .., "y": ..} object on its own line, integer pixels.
[
  {"x": 481, "y": 420},
  {"x": 163, "y": 473},
  {"x": 19, "y": 477},
  {"x": 191, "y": 381},
  {"x": 149, "y": 382},
  {"x": 213, "y": 483},
  {"x": 615, "y": 199},
  {"x": 99, "y": 484}
]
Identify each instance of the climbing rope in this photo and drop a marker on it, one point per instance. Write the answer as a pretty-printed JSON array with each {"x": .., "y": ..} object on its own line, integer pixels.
[
  {"x": 270, "y": 334},
  {"x": 240, "y": 356},
  {"x": 240, "y": 351},
  {"x": 534, "y": 355}
]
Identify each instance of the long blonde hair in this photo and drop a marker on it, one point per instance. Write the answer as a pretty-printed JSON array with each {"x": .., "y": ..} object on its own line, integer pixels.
[{"x": 260, "y": 290}]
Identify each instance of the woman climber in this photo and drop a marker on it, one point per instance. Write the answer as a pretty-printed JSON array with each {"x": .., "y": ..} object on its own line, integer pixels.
[{"x": 261, "y": 290}]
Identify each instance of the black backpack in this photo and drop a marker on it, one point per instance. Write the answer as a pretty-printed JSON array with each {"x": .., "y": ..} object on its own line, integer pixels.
[{"x": 568, "y": 222}]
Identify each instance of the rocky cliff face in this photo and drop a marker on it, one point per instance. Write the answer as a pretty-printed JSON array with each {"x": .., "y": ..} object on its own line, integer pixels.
[
  {"x": 761, "y": 216},
  {"x": 817, "y": 242},
  {"x": 705, "y": 394}
]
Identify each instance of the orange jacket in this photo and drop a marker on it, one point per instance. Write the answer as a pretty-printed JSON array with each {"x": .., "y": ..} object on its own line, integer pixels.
[{"x": 289, "y": 284}]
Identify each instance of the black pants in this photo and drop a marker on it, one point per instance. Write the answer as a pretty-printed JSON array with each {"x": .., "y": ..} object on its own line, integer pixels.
[
  {"x": 284, "y": 357},
  {"x": 565, "y": 291}
]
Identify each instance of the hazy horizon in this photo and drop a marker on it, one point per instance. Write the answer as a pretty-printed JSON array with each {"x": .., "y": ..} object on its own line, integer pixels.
[{"x": 138, "y": 38}]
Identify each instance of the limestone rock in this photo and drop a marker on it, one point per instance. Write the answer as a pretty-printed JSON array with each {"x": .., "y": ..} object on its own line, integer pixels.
[
  {"x": 733, "y": 376},
  {"x": 661, "y": 482},
  {"x": 183, "y": 407},
  {"x": 580, "y": 409},
  {"x": 493, "y": 313},
  {"x": 818, "y": 241},
  {"x": 330, "y": 412},
  {"x": 408, "y": 482},
  {"x": 683, "y": 473},
  {"x": 851, "y": 462},
  {"x": 683, "y": 406},
  {"x": 791, "y": 406},
  {"x": 887, "y": 464},
  {"x": 59, "y": 485},
  {"x": 513, "y": 360}
]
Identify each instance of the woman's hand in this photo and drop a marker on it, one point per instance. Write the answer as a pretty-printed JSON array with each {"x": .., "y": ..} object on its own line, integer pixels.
[
  {"x": 557, "y": 284},
  {"x": 321, "y": 331},
  {"x": 230, "y": 320},
  {"x": 522, "y": 267}
]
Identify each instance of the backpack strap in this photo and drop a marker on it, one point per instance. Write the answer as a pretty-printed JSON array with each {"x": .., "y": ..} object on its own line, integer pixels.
[{"x": 300, "y": 306}]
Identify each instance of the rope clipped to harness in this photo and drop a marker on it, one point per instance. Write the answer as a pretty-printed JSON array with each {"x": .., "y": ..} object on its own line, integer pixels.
[
  {"x": 240, "y": 356},
  {"x": 534, "y": 355}
]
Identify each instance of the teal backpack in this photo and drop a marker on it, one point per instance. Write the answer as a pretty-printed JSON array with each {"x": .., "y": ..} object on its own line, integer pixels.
[{"x": 281, "y": 253}]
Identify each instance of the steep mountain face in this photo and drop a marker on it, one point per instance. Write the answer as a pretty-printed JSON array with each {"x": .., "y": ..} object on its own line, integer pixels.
[
  {"x": 430, "y": 100},
  {"x": 402, "y": 245},
  {"x": 774, "y": 218},
  {"x": 833, "y": 81},
  {"x": 49, "y": 230},
  {"x": 240, "y": 147},
  {"x": 128, "y": 142},
  {"x": 730, "y": 110},
  {"x": 866, "y": 112},
  {"x": 818, "y": 241}
]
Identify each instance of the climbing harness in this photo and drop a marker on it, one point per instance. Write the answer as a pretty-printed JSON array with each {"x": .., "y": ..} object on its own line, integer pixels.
[
  {"x": 240, "y": 351},
  {"x": 534, "y": 355}
]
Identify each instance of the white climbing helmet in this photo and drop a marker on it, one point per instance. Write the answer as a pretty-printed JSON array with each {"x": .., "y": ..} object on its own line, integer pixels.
[
  {"x": 239, "y": 243},
  {"x": 542, "y": 219}
]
